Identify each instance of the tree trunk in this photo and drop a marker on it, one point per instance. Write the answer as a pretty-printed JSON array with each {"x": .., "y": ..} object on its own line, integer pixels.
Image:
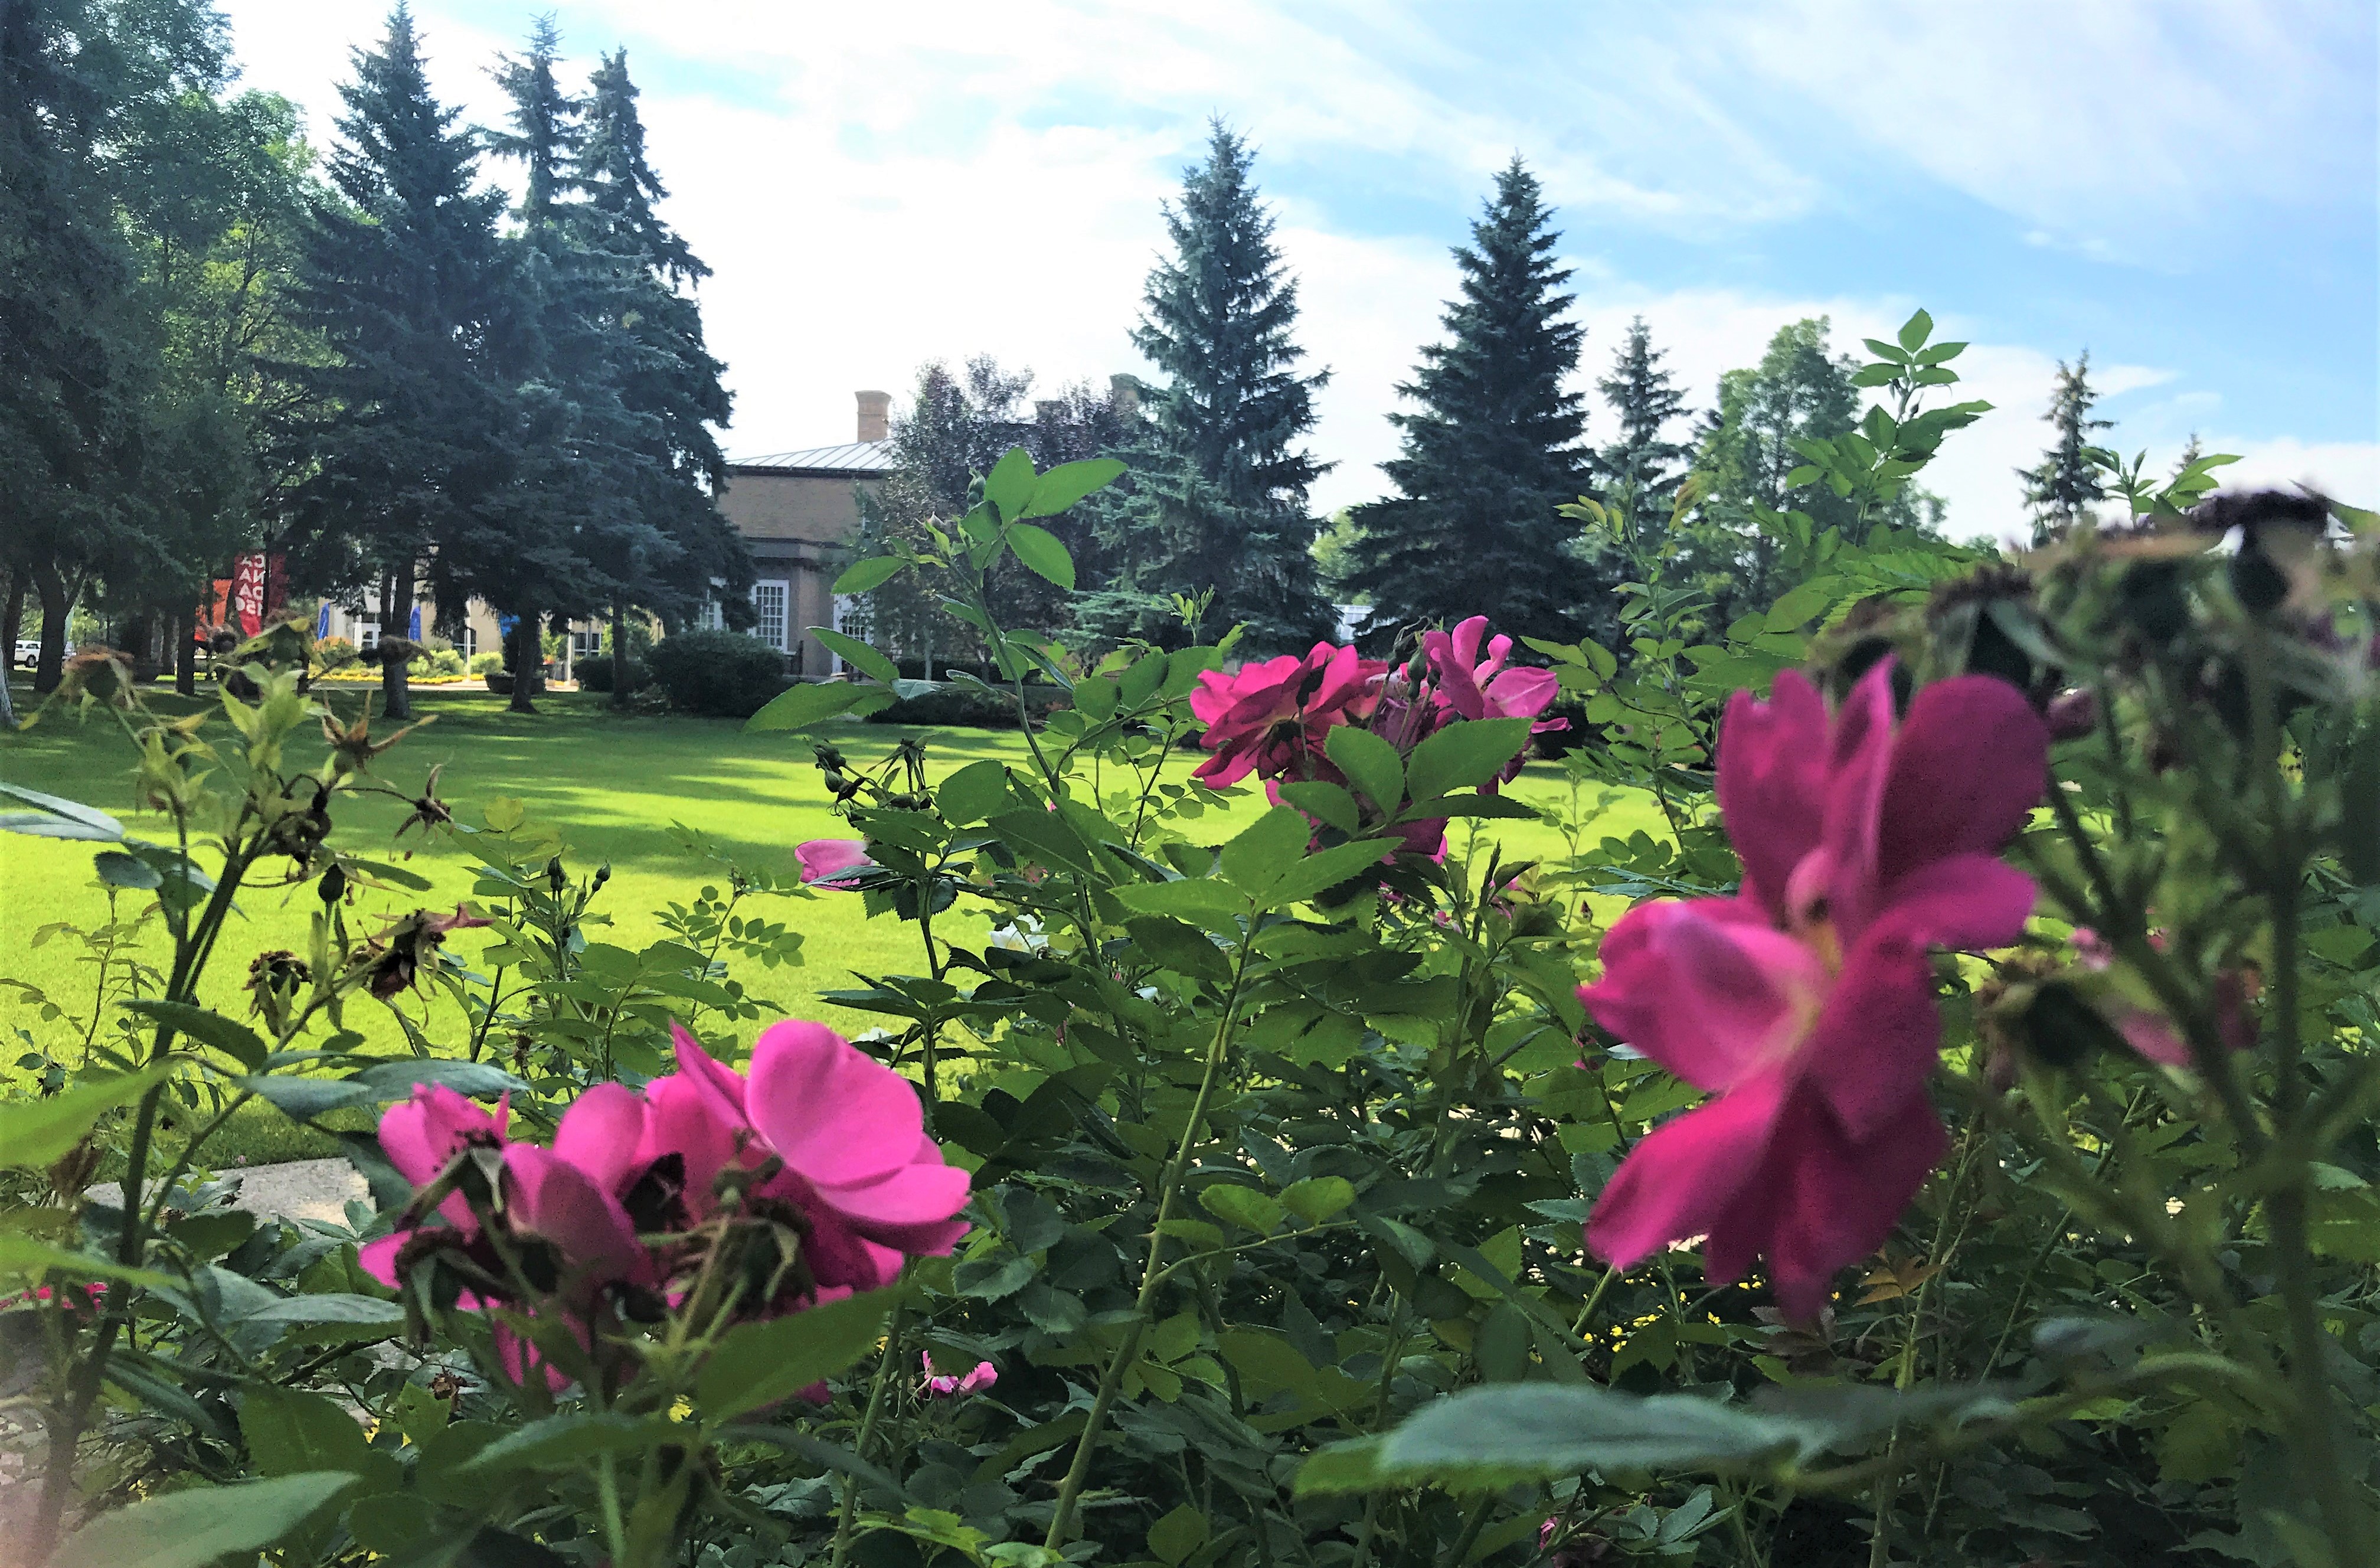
[
  {"x": 50, "y": 589},
  {"x": 619, "y": 655},
  {"x": 395, "y": 697},
  {"x": 186, "y": 652},
  {"x": 12, "y": 620},
  {"x": 529, "y": 660}
]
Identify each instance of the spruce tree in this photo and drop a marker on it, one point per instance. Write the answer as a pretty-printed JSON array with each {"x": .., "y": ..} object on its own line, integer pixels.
[
  {"x": 2062, "y": 487},
  {"x": 680, "y": 551},
  {"x": 1494, "y": 449},
  {"x": 406, "y": 280},
  {"x": 1642, "y": 463},
  {"x": 1220, "y": 499}
]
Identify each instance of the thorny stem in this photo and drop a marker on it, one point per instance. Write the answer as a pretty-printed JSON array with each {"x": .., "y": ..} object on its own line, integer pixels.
[
  {"x": 1151, "y": 1275},
  {"x": 879, "y": 1389}
]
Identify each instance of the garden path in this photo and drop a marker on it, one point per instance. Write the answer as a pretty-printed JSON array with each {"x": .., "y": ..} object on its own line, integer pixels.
[{"x": 299, "y": 1189}]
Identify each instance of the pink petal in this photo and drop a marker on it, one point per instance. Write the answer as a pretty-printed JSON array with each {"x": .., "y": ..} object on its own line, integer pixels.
[
  {"x": 983, "y": 1377},
  {"x": 1835, "y": 1201},
  {"x": 723, "y": 1084},
  {"x": 1859, "y": 761},
  {"x": 378, "y": 1258},
  {"x": 554, "y": 1199},
  {"x": 602, "y": 1133},
  {"x": 1963, "y": 902},
  {"x": 824, "y": 860},
  {"x": 1681, "y": 1181},
  {"x": 1772, "y": 783},
  {"x": 1523, "y": 693},
  {"x": 2153, "y": 1037},
  {"x": 683, "y": 1119},
  {"x": 1878, "y": 1039},
  {"x": 422, "y": 1134},
  {"x": 1706, "y": 987},
  {"x": 1456, "y": 688},
  {"x": 1967, "y": 770},
  {"x": 835, "y": 1115}
]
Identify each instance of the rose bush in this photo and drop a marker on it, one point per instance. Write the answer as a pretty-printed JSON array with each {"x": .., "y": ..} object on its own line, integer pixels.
[{"x": 1951, "y": 1140}]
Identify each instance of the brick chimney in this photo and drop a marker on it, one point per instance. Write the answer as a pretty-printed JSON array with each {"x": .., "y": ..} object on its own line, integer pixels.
[
  {"x": 874, "y": 416},
  {"x": 1124, "y": 394}
]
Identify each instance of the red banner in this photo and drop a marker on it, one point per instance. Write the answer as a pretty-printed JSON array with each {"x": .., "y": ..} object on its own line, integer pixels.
[{"x": 248, "y": 594}]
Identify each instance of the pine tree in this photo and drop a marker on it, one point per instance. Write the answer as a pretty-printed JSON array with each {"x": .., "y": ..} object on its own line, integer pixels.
[
  {"x": 1494, "y": 450},
  {"x": 2062, "y": 487},
  {"x": 1642, "y": 463},
  {"x": 407, "y": 281},
  {"x": 682, "y": 552},
  {"x": 1220, "y": 499}
]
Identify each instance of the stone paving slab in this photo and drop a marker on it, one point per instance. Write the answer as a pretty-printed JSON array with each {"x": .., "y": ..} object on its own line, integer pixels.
[{"x": 300, "y": 1189}]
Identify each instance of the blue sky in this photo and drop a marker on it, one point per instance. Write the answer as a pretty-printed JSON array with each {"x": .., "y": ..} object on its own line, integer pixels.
[{"x": 2188, "y": 189}]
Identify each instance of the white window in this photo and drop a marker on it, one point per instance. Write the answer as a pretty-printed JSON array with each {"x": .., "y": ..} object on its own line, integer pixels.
[
  {"x": 770, "y": 598},
  {"x": 468, "y": 642},
  {"x": 366, "y": 635},
  {"x": 710, "y": 619},
  {"x": 587, "y": 644},
  {"x": 851, "y": 618}
]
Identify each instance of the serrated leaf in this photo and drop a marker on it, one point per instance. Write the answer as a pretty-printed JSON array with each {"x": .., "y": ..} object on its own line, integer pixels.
[
  {"x": 1043, "y": 551},
  {"x": 34, "y": 1132},
  {"x": 235, "y": 1040},
  {"x": 1325, "y": 802},
  {"x": 874, "y": 663},
  {"x": 1917, "y": 330},
  {"x": 56, "y": 817},
  {"x": 1464, "y": 756},
  {"x": 1316, "y": 1198},
  {"x": 798, "y": 707},
  {"x": 1180, "y": 947},
  {"x": 973, "y": 793},
  {"x": 1172, "y": 1539},
  {"x": 865, "y": 577},
  {"x": 1067, "y": 483},
  {"x": 193, "y": 1528},
  {"x": 1370, "y": 763},
  {"x": 1244, "y": 1206},
  {"x": 760, "y": 1364},
  {"x": 567, "y": 1441},
  {"x": 1009, "y": 486},
  {"x": 1325, "y": 870},
  {"x": 1254, "y": 859}
]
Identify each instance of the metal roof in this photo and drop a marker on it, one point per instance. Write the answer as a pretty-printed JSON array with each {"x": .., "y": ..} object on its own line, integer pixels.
[{"x": 851, "y": 457}]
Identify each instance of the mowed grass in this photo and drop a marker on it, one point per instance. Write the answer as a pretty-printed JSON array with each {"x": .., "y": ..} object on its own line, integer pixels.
[{"x": 611, "y": 785}]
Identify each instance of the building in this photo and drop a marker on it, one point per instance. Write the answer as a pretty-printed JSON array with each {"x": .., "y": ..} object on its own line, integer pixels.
[{"x": 796, "y": 510}]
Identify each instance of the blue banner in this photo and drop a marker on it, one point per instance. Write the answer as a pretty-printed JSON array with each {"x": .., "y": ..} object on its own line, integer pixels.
[
  {"x": 414, "y": 631},
  {"x": 322, "y": 622}
]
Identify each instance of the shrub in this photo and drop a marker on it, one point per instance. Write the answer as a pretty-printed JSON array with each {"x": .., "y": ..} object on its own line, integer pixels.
[
  {"x": 595, "y": 673},
  {"x": 483, "y": 662},
  {"x": 955, "y": 707},
  {"x": 334, "y": 653},
  {"x": 719, "y": 674},
  {"x": 437, "y": 664}
]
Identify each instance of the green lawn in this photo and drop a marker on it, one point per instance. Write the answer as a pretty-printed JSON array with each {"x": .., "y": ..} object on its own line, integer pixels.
[{"x": 611, "y": 785}]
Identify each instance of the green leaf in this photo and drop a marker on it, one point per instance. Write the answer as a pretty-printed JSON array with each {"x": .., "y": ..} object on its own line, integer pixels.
[
  {"x": 811, "y": 702},
  {"x": 865, "y": 577},
  {"x": 1175, "y": 1536},
  {"x": 23, "y": 1257},
  {"x": 760, "y": 1364},
  {"x": 54, "y": 817},
  {"x": 1244, "y": 1206},
  {"x": 1867, "y": 375},
  {"x": 1009, "y": 484},
  {"x": 1370, "y": 763},
  {"x": 1181, "y": 947},
  {"x": 1068, "y": 484},
  {"x": 192, "y": 1528},
  {"x": 565, "y": 1442},
  {"x": 1487, "y": 1439},
  {"x": 235, "y": 1040},
  {"x": 332, "y": 1306},
  {"x": 1507, "y": 806},
  {"x": 872, "y": 663},
  {"x": 1802, "y": 601},
  {"x": 1316, "y": 1198},
  {"x": 1326, "y": 802},
  {"x": 34, "y": 1132},
  {"x": 1917, "y": 330},
  {"x": 973, "y": 793},
  {"x": 1256, "y": 859},
  {"x": 1042, "y": 549},
  {"x": 1464, "y": 756},
  {"x": 1201, "y": 900},
  {"x": 1326, "y": 869},
  {"x": 118, "y": 870},
  {"x": 290, "y": 1433}
]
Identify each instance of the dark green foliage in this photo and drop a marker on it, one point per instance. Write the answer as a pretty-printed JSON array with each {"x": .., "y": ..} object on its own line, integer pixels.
[
  {"x": 2062, "y": 486},
  {"x": 595, "y": 674},
  {"x": 1221, "y": 479},
  {"x": 950, "y": 707},
  {"x": 719, "y": 674},
  {"x": 1494, "y": 450},
  {"x": 1642, "y": 460},
  {"x": 412, "y": 424}
]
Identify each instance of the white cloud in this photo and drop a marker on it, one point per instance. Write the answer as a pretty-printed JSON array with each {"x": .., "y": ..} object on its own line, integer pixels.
[{"x": 877, "y": 186}]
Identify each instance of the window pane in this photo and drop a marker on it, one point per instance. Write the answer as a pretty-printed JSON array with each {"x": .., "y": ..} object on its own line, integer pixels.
[{"x": 769, "y": 611}]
